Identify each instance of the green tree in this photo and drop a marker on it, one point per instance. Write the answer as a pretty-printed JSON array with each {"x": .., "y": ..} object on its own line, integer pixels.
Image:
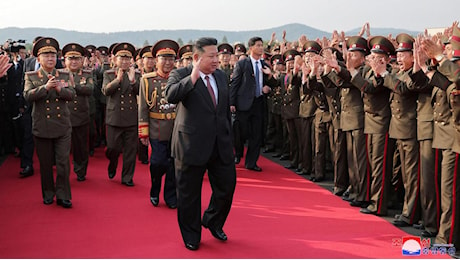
[
  {"x": 146, "y": 43},
  {"x": 224, "y": 39},
  {"x": 180, "y": 41}
]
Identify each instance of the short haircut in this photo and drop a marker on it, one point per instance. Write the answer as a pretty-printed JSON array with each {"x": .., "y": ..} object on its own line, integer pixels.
[
  {"x": 203, "y": 42},
  {"x": 253, "y": 41}
]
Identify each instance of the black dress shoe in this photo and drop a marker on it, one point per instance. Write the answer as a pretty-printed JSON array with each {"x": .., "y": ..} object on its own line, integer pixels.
[
  {"x": 64, "y": 203},
  {"x": 112, "y": 174},
  {"x": 91, "y": 153},
  {"x": 191, "y": 246},
  {"x": 48, "y": 201},
  {"x": 255, "y": 168},
  {"x": 284, "y": 157},
  {"x": 400, "y": 223},
  {"x": 217, "y": 233},
  {"x": 367, "y": 211},
  {"x": 145, "y": 162},
  {"x": 290, "y": 166},
  {"x": 27, "y": 171},
  {"x": 171, "y": 205},
  {"x": 155, "y": 201},
  {"x": 81, "y": 178},
  {"x": 357, "y": 203},
  {"x": 237, "y": 160},
  {"x": 418, "y": 226},
  {"x": 347, "y": 198},
  {"x": 128, "y": 183},
  {"x": 268, "y": 150},
  {"x": 426, "y": 233},
  {"x": 316, "y": 179},
  {"x": 276, "y": 155}
]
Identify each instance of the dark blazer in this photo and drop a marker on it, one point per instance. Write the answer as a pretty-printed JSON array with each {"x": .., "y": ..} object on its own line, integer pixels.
[
  {"x": 243, "y": 84},
  {"x": 199, "y": 125}
]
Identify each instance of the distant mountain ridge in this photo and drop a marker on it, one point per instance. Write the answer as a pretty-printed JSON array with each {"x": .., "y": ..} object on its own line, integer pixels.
[{"x": 139, "y": 38}]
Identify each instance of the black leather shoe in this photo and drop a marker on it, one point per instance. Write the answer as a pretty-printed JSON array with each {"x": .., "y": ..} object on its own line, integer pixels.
[
  {"x": 284, "y": 157},
  {"x": 367, "y": 211},
  {"x": 361, "y": 204},
  {"x": 237, "y": 160},
  {"x": 289, "y": 166},
  {"x": 48, "y": 201},
  {"x": 112, "y": 174},
  {"x": 418, "y": 226},
  {"x": 27, "y": 171},
  {"x": 128, "y": 183},
  {"x": 191, "y": 246},
  {"x": 347, "y": 198},
  {"x": 400, "y": 223},
  {"x": 255, "y": 168},
  {"x": 268, "y": 150},
  {"x": 145, "y": 162},
  {"x": 314, "y": 179},
  {"x": 217, "y": 233},
  {"x": 91, "y": 153},
  {"x": 171, "y": 205},
  {"x": 155, "y": 201},
  {"x": 276, "y": 155},
  {"x": 81, "y": 178},
  {"x": 426, "y": 233},
  {"x": 64, "y": 203}
]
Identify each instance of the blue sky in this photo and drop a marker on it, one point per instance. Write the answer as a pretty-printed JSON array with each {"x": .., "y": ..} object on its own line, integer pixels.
[{"x": 234, "y": 15}]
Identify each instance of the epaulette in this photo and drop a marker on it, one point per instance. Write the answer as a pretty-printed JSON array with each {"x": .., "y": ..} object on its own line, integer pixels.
[
  {"x": 87, "y": 71},
  {"x": 31, "y": 73},
  {"x": 111, "y": 71},
  {"x": 150, "y": 74},
  {"x": 62, "y": 71}
]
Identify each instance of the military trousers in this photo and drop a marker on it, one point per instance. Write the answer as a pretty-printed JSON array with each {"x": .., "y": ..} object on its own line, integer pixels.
[
  {"x": 50, "y": 151},
  {"x": 341, "y": 177},
  {"x": 357, "y": 164},
  {"x": 80, "y": 149},
  {"x": 122, "y": 139},
  {"x": 307, "y": 144},
  {"x": 429, "y": 201}
]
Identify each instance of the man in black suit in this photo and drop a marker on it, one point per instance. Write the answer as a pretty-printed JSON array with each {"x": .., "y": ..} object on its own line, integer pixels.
[
  {"x": 202, "y": 140},
  {"x": 251, "y": 80}
]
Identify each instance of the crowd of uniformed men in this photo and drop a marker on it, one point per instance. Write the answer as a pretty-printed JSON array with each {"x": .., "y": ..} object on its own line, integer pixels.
[{"x": 384, "y": 111}]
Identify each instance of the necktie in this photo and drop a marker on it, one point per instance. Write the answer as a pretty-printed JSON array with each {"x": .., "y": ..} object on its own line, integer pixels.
[
  {"x": 210, "y": 90},
  {"x": 257, "y": 80}
]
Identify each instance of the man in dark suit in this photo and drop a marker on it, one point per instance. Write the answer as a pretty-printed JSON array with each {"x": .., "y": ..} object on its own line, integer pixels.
[
  {"x": 251, "y": 80},
  {"x": 202, "y": 140}
]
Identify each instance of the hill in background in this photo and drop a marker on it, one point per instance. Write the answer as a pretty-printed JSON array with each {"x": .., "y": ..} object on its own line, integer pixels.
[{"x": 141, "y": 38}]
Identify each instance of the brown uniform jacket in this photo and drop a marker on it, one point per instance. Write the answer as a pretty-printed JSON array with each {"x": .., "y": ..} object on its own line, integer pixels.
[
  {"x": 79, "y": 107},
  {"x": 156, "y": 115},
  {"x": 403, "y": 124},
  {"x": 121, "y": 96},
  {"x": 308, "y": 106},
  {"x": 50, "y": 113},
  {"x": 333, "y": 96},
  {"x": 290, "y": 86},
  {"x": 376, "y": 101},
  {"x": 352, "y": 107},
  {"x": 455, "y": 105}
]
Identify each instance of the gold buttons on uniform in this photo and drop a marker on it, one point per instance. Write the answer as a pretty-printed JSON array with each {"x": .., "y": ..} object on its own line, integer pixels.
[
  {"x": 122, "y": 96},
  {"x": 48, "y": 116},
  {"x": 47, "y": 101},
  {"x": 75, "y": 109},
  {"x": 122, "y": 108},
  {"x": 57, "y": 99},
  {"x": 47, "y": 109},
  {"x": 58, "y": 108},
  {"x": 122, "y": 102},
  {"x": 58, "y": 115}
]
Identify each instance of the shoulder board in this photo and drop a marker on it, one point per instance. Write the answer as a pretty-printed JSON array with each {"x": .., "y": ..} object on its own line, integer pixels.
[
  {"x": 112, "y": 71},
  {"x": 32, "y": 73},
  {"x": 62, "y": 71},
  {"x": 88, "y": 71},
  {"x": 150, "y": 75}
]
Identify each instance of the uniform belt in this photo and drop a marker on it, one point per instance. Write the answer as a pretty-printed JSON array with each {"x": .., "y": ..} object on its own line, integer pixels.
[{"x": 163, "y": 116}]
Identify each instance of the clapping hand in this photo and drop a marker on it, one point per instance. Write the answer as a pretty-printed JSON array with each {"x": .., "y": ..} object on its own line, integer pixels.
[
  {"x": 131, "y": 74},
  {"x": 4, "y": 65}
]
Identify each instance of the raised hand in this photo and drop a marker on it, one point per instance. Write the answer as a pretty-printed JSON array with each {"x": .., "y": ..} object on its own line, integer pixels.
[
  {"x": 131, "y": 74},
  {"x": 51, "y": 83},
  {"x": 431, "y": 48},
  {"x": 4, "y": 65},
  {"x": 195, "y": 75}
]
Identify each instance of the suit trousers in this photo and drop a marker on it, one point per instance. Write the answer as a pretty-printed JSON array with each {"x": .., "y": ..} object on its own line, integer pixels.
[
  {"x": 251, "y": 129},
  {"x": 341, "y": 177},
  {"x": 409, "y": 155},
  {"x": 27, "y": 151},
  {"x": 50, "y": 150},
  {"x": 380, "y": 154},
  {"x": 122, "y": 139},
  {"x": 429, "y": 201},
  {"x": 278, "y": 133},
  {"x": 446, "y": 192},
  {"x": 307, "y": 144},
  {"x": 80, "y": 149},
  {"x": 357, "y": 165},
  {"x": 189, "y": 181}
]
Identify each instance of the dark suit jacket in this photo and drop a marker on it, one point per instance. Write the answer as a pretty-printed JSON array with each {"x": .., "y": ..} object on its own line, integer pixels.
[
  {"x": 243, "y": 84},
  {"x": 199, "y": 125}
]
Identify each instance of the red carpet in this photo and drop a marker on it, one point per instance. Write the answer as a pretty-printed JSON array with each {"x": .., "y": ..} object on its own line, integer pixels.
[{"x": 276, "y": 214}]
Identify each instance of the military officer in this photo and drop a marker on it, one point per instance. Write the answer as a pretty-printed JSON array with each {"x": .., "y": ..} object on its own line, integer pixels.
[
  {"x": 376, "y": 122},
  {"x": 352, "y": 118},
  {"x": 225, "y": 52},
  {"x": 49, "y": 90},
  {"x": 240, "y": 50},
  {"x": 403, "y": 127},
  {"x": 185, "y": 55},
  {"x": 79, "y": 107},
  {"x": 121, "y": 87},
  {"x": 156, "y": 121},
  {"x": 290, "y": 110}
]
